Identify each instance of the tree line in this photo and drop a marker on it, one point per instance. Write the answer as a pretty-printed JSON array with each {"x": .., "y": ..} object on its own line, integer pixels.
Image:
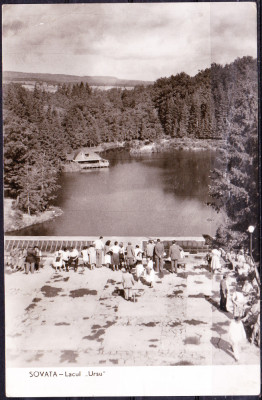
[{"x": 40, "y": 128}]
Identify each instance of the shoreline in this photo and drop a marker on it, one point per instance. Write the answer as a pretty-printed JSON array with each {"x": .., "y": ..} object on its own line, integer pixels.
[
  {"x": 167, "y": 144},
  {"x": 15, "y": 220}
]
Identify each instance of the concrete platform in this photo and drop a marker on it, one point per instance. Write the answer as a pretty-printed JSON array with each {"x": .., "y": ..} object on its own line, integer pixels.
[{"x": 81, "y": 319}]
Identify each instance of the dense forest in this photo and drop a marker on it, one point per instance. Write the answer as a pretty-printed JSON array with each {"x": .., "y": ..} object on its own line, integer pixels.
[{"x": 40, "y": 128}]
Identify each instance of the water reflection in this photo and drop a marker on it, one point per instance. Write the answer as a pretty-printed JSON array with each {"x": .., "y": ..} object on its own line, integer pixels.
[{"x": 158, "y": 194}]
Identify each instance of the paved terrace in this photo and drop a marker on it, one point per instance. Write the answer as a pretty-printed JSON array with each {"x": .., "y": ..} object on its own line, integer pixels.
[{"x": 82, "y": 319}]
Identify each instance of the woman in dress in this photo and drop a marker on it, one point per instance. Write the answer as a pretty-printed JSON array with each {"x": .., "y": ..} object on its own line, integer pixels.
[
  {"x": 215, "y": 262},
  {"x": 150, "y": 273},
  {"x": 115, "y": 256},
  {"x": 57, "y": 261},
  {"x": 92, "y": 256},
  {"x": 108, "y": 254}
]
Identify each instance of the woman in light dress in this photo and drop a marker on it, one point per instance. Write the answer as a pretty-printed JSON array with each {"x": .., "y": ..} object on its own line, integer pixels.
[
  {"x": 150, "y": 273},
  {"x": 239, "y": 303},
  {"x": 115, "y": 256},
  {"x": 92, "y": 256},
  {"x": 57, "y": 261},
  {"x": 237, "y": 336},
  {"x": 215, "y": 262}
]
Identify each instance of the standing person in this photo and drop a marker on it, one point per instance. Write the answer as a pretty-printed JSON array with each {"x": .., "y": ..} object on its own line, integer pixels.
[
  {"x": 30, "y": 261},
  {"x": 99, "y": 246},
  {"x": 223, "y": 293},
  {"x": 138, "y": 254},
  {"x": 115, "y": 256},
  {"x": 128, "y": 283},
  {"x": 130, "y": 255},
  {"x": 107, "y": 253},
  {"x": 237, "y": 336},
  {"x": 174, "y": 254},
  {"x": 92, "y": 256},
  {"x": 150, "y": 249},
  {"x": 121, "y": 254},
  {"x": 38, "y": 255},
  {"x": 21, "y": 259},
  {"x": 215, "y": 262},
  {"x": 159, "y": 255},
  {"x": 238, "y": 301},
  {"x": 85, "y": 256}
]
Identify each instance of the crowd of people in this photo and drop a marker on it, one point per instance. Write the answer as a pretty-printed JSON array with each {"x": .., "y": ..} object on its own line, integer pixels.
[
  {"x": 144, "y": 264},
  {"x": 240, "y": 270}
]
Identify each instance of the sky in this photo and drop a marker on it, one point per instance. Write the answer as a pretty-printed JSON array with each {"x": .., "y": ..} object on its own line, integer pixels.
[{"x": 142, "y": 41}]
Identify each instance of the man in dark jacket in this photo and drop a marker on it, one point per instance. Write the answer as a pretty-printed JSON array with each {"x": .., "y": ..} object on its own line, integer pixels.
[
  {"x": 30, "y": 261},
  {"x": 159, "y": 255},
  {"x": 174, "y": 254},
  {"x": 223, "y": 293}
]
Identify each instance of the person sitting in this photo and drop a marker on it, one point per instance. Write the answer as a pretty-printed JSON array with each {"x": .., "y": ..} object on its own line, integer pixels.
[
  {"x": 85, "y": 256},
  {"x": 65, "y": 258},
  {"x": 140, "y": 270},
  {"x": 73, "y": 260},
  {"x": 150, "y": 272},
  {"x": 57, "y": 262}
]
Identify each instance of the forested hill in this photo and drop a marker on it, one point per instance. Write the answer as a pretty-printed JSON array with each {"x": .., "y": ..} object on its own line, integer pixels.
[
  {"x": 40, "y": 127},
  {"x": 56, "y": 79}
]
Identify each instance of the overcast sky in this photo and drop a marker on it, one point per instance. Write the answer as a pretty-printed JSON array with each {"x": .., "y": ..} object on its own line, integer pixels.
[{"x": 133, "y": 41}]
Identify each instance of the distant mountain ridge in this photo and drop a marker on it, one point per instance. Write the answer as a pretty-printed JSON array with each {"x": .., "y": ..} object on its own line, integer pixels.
[{"x": 55, "y": 79}]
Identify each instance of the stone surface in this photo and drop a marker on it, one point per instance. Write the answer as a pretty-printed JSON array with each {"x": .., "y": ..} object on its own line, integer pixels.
[{"x": 82, "y": 319}]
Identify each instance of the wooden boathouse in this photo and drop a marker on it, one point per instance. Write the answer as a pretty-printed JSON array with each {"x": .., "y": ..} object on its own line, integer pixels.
[{"x": 87, "y": 159}]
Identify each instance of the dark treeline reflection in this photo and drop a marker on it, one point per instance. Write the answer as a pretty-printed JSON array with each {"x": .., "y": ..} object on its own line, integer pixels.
[{"x": 155, "y": 194}]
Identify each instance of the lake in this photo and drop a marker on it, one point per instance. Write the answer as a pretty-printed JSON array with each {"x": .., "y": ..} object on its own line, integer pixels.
[{"x": 159, "y": 194}]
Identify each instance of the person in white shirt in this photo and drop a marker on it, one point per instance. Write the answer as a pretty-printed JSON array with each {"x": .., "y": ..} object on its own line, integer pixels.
[
  {"x": 150, "y": 273},
  {"x": 99, "y": 246},
  {"x": 73, "y": 260},
  {"x": 65, "y": 258},
  {"x": 92, "y": 256},
  {"x": 115, "y": 256},
  {"x": 138, "y": 253},
  {"x": 85, "y": 256},
  {"x": 140, "y": 270}
]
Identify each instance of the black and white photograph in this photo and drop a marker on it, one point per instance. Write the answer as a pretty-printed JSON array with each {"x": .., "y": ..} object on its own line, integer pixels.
[{"x": 131, "y": 199}]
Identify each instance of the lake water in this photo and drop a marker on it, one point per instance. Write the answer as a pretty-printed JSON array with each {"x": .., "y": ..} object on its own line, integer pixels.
[{"x": 161, "y": 194}]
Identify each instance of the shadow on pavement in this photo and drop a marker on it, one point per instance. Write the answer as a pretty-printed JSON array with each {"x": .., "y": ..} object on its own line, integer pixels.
[{"x": 222, "y": 345}]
